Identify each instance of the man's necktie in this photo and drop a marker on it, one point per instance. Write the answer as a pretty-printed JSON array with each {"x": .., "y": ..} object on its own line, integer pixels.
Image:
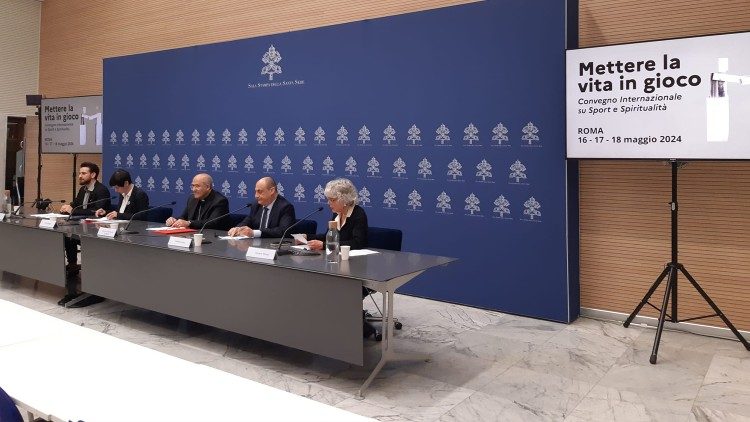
[
  {"x": 264, "y": 218},
  {"x": 86, "y": 199}
]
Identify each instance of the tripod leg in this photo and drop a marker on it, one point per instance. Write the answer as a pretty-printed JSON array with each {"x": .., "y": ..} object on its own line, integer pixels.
[
  {"x": 647, "y": 297},
  {"x": 663, "y": 313},
  {"x": 715, "y": 308}
]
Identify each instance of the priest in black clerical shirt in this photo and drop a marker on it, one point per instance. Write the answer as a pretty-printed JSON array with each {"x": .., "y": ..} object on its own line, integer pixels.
[{"x": 205, "y": 205}]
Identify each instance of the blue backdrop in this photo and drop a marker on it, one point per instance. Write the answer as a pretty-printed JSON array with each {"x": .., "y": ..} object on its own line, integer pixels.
[{"x": 450, "y": 122}]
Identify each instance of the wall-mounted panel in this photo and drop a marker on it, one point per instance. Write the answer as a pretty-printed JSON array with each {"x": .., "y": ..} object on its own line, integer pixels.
[{"x": 454, "y": 136}]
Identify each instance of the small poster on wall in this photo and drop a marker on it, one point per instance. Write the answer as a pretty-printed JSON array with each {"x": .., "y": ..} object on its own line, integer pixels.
[
  {"x": 675, "y": 99},
  {"x": 72, "y": 125}
]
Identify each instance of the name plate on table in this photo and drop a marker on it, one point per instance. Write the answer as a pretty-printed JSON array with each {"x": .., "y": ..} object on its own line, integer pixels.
[
  {"x": 47, "y": 223},
  {"x": 2, "y": 216},
  {"x": 180, "y": 242},
  {"x": 107, "y": 232},
  {"x": 261, "y": 253}
]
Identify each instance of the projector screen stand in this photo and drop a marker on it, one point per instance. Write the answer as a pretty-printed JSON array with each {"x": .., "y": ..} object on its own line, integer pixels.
[{"x": 670, "y": 272}]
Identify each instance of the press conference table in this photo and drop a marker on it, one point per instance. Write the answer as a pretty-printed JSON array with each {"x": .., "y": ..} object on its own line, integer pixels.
[{"x": 297, "y": 301}]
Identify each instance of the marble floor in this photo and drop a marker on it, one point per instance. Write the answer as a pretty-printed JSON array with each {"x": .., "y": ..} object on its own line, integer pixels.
[{"x": 485, "y": 366}]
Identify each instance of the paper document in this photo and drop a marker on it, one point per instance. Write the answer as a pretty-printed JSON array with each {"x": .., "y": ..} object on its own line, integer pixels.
[
  {"x": 49, "y": 215},
  {"x": 233, "y": 237},
  {"x": 361, "y": 252},
  {"x": 300, "y": 238},
  {"x": 163, "y": 228},
  {"x": 300, "y": 247}
]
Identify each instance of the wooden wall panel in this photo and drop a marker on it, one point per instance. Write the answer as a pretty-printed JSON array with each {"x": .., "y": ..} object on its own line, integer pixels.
[
  {"x": 606, "y": 22},
  {"x": 77, "y": 34},
  {"x": 624, "y": 210},
  {"x": 19, "y": 66}
]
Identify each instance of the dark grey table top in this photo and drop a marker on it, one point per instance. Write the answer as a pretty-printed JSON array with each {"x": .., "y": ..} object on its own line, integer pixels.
[{"x": 380, "y": 267}]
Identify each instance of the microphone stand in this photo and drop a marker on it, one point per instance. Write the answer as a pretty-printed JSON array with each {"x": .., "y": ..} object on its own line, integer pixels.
[
  {"x": 220, "y": 217},
  {"x": 67, "y": 220},
  {"x": 125, "y": 229},
  {"x": 17, "y": 211},
  {"x": 283, "y": 235}
]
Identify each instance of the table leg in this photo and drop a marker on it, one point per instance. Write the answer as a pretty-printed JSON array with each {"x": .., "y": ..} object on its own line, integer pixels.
[{"x": 388, "y": 353}]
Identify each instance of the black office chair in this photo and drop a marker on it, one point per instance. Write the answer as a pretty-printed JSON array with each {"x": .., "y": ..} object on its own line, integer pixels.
[
  {"x": 382, "y": 238},
  {"x": 8, "y": 410},
  {"x": 236, "y": 219},
  {"x": 308, "y": 227},
  {"x": 156, "y": 215}
]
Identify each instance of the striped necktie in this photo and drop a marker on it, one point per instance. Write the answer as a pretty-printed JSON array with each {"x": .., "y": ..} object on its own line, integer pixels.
[{"x": 264, "y": 218}]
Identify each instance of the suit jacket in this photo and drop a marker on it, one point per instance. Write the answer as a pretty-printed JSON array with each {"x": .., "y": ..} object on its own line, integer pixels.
[
  {"x": 354, "y": 232},
  {"x": 212, "y": 206},
  {"x": 281, "y": 217},
  {"x": 138, "y": 202},
  {"x": 99, "y": 192}
]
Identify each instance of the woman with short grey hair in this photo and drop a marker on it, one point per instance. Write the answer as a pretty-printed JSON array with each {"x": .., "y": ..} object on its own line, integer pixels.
[
  {"x": 343, "y": 190},
  {"x": 352, "y": 222},
  {"x": 351, "y": 218}
]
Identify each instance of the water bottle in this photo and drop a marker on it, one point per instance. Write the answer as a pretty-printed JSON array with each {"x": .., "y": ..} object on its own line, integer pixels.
[{"x": 332, "y": 242}]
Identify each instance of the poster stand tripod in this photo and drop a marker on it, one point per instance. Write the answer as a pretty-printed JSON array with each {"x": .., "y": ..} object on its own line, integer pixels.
[
  {"x": 75, "y": 174},
  {"x": 38, "y": 202},
  {"x": 670, "y": 272}
]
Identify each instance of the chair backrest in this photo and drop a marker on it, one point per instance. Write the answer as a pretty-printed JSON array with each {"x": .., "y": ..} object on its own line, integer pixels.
[
  {"x": 383, "y": 238},
  {"x": 156, "y": 215},
  {"x": 236, "y": 219},
  {"x": 8, "y": 410},
  {"x": 306, "y": 226}
]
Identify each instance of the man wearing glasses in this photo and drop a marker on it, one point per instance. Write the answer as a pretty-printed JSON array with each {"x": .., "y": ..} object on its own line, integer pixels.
[{"x": 204, "y": 205}]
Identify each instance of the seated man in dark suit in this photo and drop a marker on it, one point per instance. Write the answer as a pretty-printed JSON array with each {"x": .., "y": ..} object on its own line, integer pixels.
[
  {"x": 270, "y": 216},
  {"x": 205, "y": 205},
  {"x": 132, "y": 198},
  {"x": 97, "y": 195}
]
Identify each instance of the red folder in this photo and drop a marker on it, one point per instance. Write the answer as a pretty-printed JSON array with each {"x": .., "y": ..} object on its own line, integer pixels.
[{"x": 175, "y": 231}]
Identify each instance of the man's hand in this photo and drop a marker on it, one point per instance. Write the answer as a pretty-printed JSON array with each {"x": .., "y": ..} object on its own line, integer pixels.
[
  {"x": 240, "y": 231},
  {"x": 183, "y": 224}
]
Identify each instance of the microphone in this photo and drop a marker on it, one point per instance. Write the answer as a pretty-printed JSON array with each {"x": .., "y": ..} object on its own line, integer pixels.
[
  {"x": 220, "y": 217},
  {"x": 43, "y": 204},
  {"x": 92, "y": 202},
  {"x": 287, "y": 251},
  {"x": 125, "y": 229}
]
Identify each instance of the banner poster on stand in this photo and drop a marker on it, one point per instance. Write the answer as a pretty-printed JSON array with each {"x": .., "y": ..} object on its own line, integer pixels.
[
  {"x": 72, "y": 125},
  {"x": 675, "y": 99}
]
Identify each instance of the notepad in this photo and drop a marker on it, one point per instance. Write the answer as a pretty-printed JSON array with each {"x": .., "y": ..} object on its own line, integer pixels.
[
  {"x": 361, "y": 252},
  {"x": 49, "y": 215}
]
